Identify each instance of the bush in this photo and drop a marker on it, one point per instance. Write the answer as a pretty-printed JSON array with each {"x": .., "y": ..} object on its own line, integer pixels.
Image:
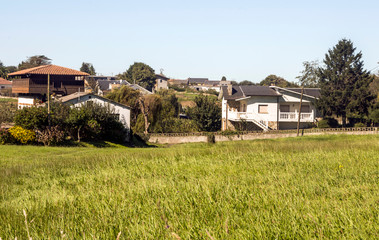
[
  {"x": 22, "y": 135},
  {"x": 33, "y": 118},
  {"x": 177, "y": 125},
  {"x": 51, "y": 136},
  {"x": 7, "y": 111},
  {"x": 93, "y": 121},
  {"x": 360, "y": 125},
  {"x": 6, "y": 136},
  {"x": 177, "y": 88},
  {"x": 328, "y": 123}
]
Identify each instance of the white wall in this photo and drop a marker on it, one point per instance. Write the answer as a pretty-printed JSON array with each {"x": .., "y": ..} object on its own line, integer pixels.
[
  {"x": 271, "y": 102},
  {"x": 122, "y": 111},
  {"x": 25, "y": 102}
]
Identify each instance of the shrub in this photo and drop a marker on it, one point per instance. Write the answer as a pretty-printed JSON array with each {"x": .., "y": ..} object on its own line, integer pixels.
[
  {"x": 33, "y": 118},
  {"x": 22, "y": 135},
  {"x": 6, "y": 136},
  {"x": 7, "y": 111},
  {"x": 359, "y": 125},
  {"x": 177, "y": 125},
  {"x": 327, "y": 123},
  {"x": 93, "y": 121},
  {"x": 51, "y": 136}
]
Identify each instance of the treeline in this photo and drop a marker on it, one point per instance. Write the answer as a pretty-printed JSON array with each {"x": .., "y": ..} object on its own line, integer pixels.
[{"x": 160, "y": 112}]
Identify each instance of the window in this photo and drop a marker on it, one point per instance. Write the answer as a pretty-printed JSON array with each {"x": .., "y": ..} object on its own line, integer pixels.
[
  {"x": 285, "y": 108},
  {"x": 305, "y": 109},
  {"x": 262, "y": 108}
]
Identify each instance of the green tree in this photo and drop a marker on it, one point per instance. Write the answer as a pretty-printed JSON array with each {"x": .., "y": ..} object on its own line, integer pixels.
[
  {"x": 207, "y": 113},
  {"x": 34, "y": 61},
  {"x": 129, "y": 97},
  {"x": 309, "y": 76},
  {"x": 246, "y": 82},
  {"x": 3, "y": 71},
  {"x": 141, "y": 74},
  {"x": 88, "y": 68},
  {"x": 344, "y": 83},
  {"x": 277, "y": 81}
]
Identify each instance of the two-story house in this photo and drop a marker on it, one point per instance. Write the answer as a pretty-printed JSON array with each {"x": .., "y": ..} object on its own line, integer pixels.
[{"x": 265, "y": 108}]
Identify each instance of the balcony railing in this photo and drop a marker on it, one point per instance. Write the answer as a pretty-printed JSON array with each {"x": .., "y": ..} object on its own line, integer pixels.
[
  {"x": 294, "y": 116},
  {"x": 283, "y": 116}
]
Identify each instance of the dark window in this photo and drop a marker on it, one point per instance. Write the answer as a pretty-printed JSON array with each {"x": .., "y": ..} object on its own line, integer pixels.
[{"x": 285, "y": 108}]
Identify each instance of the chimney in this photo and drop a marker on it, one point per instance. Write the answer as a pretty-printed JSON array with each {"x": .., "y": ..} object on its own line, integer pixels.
[{"x": 230, "y": 89}]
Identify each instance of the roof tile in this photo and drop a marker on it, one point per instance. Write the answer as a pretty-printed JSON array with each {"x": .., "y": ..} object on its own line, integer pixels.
[{"x": 49, "y": 69}]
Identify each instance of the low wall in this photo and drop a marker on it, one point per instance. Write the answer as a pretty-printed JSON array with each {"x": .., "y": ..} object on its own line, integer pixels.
[{"x": 175, "y": 138}]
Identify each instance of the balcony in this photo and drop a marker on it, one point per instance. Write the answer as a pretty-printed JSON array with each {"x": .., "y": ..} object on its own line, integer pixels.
[
  {"x": 283, "y": 117},
  {"x": 294, "y": 116},
  {"x": 29, "y": 86}
]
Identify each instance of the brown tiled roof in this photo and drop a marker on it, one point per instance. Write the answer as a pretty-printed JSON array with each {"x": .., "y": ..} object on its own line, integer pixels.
[
  {"x": 49, "y": 69},
  {"x": 5, "y": 82}
]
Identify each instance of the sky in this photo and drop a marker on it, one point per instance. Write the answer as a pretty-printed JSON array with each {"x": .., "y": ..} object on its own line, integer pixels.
[{"x": 242, "y": 40}]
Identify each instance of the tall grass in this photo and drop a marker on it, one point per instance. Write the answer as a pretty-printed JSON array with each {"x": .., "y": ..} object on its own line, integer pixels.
[{"x": 310, "y": 187}]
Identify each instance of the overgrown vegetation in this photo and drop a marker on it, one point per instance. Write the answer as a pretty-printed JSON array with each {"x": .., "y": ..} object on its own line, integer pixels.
[
  {"x": 299, "y": 188},
  {"x": 89, "y": 122}
]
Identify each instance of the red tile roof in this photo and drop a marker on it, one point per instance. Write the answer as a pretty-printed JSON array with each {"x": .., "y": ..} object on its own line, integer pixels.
[
  {"x": 49, "y": 69},
  {"x": 5, "y": 82}
]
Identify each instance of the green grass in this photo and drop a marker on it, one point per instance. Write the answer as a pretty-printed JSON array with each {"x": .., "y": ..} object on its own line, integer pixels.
[
  {"x": 8, "y": 99},
  {"x": 295, "y": 188}
]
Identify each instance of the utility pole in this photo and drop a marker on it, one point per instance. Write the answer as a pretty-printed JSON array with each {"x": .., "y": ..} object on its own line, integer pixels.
[
  {"x": 48, "y": 98},
  {"x": 301, "y": 101}
]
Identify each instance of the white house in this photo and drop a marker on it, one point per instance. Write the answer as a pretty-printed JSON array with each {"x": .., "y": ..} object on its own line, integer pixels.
[
  {"x": 265, "y": 108},
  {"x": 80, "y": 98}
]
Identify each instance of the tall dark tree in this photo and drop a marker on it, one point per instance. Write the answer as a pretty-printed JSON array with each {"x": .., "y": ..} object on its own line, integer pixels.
[
  {"x": 344, "y": 83},
  {"x": 141, "y": 74},
  {"x": 309, "y": 76},
  {"x": 88, "y": 68},
  {"x": 34, "y": 61},
  {"x": 207, "y": 113}
]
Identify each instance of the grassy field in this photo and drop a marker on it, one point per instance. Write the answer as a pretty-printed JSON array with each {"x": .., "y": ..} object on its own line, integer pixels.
[{"x": 295, "y": 188}]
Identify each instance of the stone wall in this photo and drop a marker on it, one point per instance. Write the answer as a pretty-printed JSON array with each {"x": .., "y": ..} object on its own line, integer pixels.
[{"x": 175, "y": 138}]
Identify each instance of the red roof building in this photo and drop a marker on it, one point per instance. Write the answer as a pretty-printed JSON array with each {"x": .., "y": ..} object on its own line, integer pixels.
[{"x": 33, "y": 81}]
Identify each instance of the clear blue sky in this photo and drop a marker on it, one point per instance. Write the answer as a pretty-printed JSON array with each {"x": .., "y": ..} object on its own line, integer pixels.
[{"x": 243, "y": 40}]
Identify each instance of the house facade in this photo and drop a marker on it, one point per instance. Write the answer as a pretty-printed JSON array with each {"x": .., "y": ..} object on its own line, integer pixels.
[
  {"x": 267, "y": 108},
  {"x": 32, "y": 86},
  {"x": 5, "y": 84}
]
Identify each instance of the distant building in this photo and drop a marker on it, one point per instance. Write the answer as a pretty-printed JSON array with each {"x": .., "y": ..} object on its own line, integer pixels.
[
  {"x": 160, "y": 82},
  {"x": 177, "y": 82},
  {"x": 5, "y": 84},
  {"x": 105, "y": 86}
]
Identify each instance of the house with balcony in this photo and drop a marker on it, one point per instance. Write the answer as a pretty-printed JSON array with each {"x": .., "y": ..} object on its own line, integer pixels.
[
  {"x": 33, "y": 85},
  {"x": 267, "y": 108}
]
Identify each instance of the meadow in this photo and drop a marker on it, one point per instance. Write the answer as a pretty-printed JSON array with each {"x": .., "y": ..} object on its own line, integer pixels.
[{"x": 295, "y": 188}]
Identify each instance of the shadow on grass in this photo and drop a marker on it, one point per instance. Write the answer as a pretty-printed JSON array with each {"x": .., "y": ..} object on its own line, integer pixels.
[{"x": 136, "y": 142}]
